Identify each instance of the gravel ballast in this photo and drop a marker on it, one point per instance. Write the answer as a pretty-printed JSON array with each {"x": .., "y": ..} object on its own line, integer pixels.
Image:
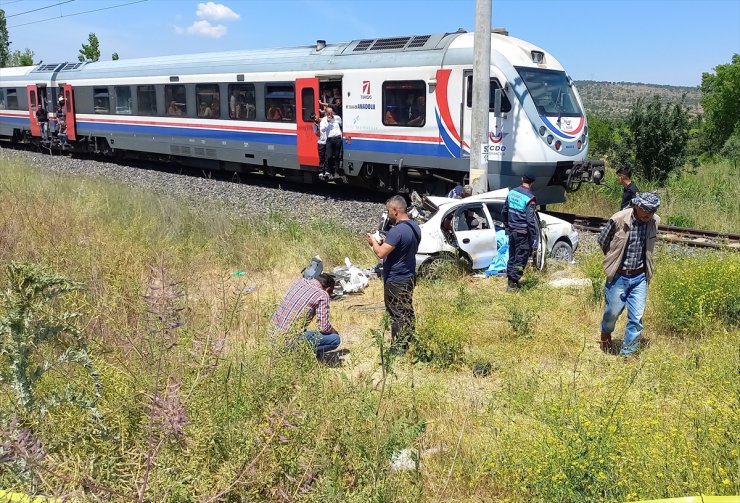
[{"x": 349, "y": 208}]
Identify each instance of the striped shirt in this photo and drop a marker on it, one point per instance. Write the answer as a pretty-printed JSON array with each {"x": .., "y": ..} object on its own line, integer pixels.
[
  {"x": 634, "y": 253},
  {"x": 303, "y": 300}
]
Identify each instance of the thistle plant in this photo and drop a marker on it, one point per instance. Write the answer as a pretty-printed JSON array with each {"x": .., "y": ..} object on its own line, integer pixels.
[{"x": 37, "y": 335}]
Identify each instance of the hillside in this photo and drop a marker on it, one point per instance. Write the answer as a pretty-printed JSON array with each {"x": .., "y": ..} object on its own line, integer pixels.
[{"x": 614, "y": 99}]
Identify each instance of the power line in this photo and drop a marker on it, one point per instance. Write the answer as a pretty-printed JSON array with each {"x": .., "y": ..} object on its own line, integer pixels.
[
  {"x": 77, "y": 13},
  {"x": 40, "y": 8}
]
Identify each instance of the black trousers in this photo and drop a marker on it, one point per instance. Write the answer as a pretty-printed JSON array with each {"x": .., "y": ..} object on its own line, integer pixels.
[
  {"x": 399, "y": 304},
  {"x": 322, "y": 157},
  {"x": 520, "y": 248},
  {"x": 333, "y": 153}
]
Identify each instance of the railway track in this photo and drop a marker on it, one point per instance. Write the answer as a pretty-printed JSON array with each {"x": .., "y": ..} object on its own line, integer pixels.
[{"x": 687, "y": 236}]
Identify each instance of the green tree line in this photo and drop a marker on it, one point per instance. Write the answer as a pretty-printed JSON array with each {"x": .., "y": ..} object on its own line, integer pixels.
[{"x": 657, "y": 138}]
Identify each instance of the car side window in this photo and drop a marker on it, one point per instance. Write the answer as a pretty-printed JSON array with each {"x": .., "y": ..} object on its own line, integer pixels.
[{"x": 471, "y": 218}]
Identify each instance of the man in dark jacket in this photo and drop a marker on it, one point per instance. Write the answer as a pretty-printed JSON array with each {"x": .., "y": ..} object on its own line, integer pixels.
[
  {"x": 630, "y": 190},
  {"x": 520, "y": 220}
]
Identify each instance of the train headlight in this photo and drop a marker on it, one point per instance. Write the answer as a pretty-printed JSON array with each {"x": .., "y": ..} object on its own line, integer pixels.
[
  {"x": 549, "y": 139},
  {"x": 585, "y": 130},
  {"x": 542, "y": 130},
  {"x": 557, "y": 145},
  {"x": 579, "y": 144}
]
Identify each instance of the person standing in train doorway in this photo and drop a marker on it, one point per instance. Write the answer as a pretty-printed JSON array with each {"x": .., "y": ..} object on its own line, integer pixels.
[
  {"x": 320, "y": 143},
  {"x": 331, "y": 127},
  {"x": 519, "y": 218}
]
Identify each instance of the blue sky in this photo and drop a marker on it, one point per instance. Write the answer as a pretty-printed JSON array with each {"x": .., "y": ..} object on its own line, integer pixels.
[{"x": 653, "y": 41}]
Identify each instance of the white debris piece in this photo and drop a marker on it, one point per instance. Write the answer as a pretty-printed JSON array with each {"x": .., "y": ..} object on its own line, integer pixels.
[
  {"x": 351, "y": 278},
  {"x": 570, "y": 283}
]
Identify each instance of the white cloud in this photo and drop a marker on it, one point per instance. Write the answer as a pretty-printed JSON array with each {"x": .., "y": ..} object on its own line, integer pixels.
[
  {"x": 217, "y": 11},
  {"x": 206, "y": 29}
]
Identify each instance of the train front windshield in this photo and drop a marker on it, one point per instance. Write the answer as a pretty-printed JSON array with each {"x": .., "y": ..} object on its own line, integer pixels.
[{"x": 551, "y": 92}]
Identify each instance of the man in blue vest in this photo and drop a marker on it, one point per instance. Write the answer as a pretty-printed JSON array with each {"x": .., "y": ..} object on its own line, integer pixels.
[{"x": 520, "y": 221}]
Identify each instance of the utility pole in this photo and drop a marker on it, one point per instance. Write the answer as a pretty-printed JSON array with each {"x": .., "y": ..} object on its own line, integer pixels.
[{"x": 481, "y": 96}]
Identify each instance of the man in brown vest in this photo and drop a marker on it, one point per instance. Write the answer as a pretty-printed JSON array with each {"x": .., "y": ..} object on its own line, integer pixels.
[{"x": 628, "y": 242}]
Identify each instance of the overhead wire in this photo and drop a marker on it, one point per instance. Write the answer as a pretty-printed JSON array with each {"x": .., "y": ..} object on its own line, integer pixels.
[
  {"x": 40, "y": 8},
  {"x": 78, "y": 13}
]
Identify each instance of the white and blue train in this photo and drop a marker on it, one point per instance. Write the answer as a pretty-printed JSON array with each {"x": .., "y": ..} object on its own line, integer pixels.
[{"x": 405, "y": 104}]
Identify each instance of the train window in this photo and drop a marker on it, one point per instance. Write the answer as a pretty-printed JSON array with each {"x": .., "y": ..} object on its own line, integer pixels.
[
  {"x": 308, "y": 102},
  {"x": 147, "y": 97},
  {"x": 242, "y": 102},
  {"x": 123, "y": 100},
  {"x": 404, "y": 103},
  {"x": 174, "y": 96},
  {"x": 33, "y": 100},
  {"x": 505, "y": 103},
  {"x": 2, "y": 99},
  {"x": 11, "y": 96},
  {"x": 280, "y": 102},
  {"x": 208, "y": 97},
  {"x": 68, "y": 101},
  {"x": 101, "y": 100}
]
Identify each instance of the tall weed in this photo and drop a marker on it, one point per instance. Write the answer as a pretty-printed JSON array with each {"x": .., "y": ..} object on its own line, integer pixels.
[{"x": 696, "y": 292}]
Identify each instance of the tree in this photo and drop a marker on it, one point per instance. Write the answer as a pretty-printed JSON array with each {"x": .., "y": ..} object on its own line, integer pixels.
[
  {"x": 655, "y": 143},
  {"x": 115, "y": 56},
  {"x": 731, "y": 148},
  {"x": 18, "y": 58},
  {"x": 721, "y": 103},
  {"x": 91, "y": 50},
  {"x": 601, "y": 132},
  {"x": 4, "y": 40}
]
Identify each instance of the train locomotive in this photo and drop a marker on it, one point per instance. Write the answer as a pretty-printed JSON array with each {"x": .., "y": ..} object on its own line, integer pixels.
[{"x": 405, "y": 103}]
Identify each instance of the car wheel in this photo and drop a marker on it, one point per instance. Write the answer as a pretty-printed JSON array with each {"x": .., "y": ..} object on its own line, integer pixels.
[
  {"x": 440, "y": 266},
  {"x": 562, "y": 251}
]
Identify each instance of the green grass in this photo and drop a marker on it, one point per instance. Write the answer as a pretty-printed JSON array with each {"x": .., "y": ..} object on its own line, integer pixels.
[
  {"x": 510, "y": 398},
  {"x": 707, "y": 197}
]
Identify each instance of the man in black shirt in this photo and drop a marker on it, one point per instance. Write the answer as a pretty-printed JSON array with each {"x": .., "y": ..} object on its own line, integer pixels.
[{"x": 624, "y": 175}]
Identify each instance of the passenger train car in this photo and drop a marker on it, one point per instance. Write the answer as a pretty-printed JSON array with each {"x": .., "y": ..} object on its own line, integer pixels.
[{"x": 405, "y": 104}]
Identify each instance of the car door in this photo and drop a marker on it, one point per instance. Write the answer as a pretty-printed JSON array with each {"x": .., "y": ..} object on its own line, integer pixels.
[
  {"x": 540, "y": 257},
  {"x": 475, "y": 234}
]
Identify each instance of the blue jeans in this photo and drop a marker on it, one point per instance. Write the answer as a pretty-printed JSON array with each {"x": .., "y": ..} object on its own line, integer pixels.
[
  {"x": 322, "y": 342},
  {"x": 630, "y": 291}
]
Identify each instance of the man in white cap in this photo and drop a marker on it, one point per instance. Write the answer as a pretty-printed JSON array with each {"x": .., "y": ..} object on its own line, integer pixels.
[{"x": 628, "y": 242}]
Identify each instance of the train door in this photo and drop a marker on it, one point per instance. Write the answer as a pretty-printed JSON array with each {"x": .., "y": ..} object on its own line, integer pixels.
[
  {"x": 69, "y": 109},
  {"x": 466, "y": 113},
  {"x": 35, "y": 98},
  {"x": 307, "y": 102},
  {"x": 499, "y": 125}
]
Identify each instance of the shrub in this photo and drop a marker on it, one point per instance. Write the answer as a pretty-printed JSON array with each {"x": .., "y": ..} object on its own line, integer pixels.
[
  {"x": 440, "y": 340},
  {"x": 695, "y": 292},
  {"x": 442, "y": 332},
  {"x": 522, "y": 319}
]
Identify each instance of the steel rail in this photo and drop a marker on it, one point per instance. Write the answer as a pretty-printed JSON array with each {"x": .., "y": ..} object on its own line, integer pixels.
[{"x": 700, "y": 238}]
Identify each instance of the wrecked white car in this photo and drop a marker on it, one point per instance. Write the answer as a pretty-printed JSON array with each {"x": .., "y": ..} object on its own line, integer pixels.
[{"x": 467, "y": 228}]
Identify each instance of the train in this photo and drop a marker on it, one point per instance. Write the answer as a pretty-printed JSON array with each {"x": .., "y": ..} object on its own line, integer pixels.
[{"x": 405, "y": 104}]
